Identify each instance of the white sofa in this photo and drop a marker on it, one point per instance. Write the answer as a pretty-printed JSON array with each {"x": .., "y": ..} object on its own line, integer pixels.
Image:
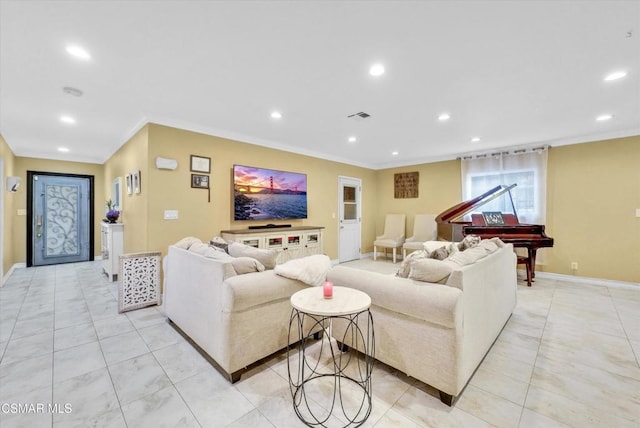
[
  {"x": 437, "y": 333},
  {"x": 236, "y": 320}
]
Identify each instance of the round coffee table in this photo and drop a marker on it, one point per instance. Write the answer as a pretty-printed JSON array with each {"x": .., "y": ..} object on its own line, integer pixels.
[{"x": 329, "y": 386}]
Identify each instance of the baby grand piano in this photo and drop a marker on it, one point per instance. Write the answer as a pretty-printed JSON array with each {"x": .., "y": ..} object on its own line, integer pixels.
[{"x": 452, "y": 227}]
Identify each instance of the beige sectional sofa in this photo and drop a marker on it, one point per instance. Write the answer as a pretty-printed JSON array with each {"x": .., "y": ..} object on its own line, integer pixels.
[
  {"x": 438, "y": 333},
  {"x": 235, "y": 319}
]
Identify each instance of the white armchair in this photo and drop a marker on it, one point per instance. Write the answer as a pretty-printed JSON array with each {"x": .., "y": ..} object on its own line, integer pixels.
[
  {"x": 424, "y": 229},
  {"x": 393, "y": 236}
]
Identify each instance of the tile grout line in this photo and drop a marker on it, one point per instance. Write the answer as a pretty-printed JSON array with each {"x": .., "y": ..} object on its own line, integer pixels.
[{"x": 546, "y": 320}]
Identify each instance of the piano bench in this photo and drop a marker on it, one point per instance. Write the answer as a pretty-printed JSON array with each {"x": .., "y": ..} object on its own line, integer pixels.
[{"x": 526, "y": 260}]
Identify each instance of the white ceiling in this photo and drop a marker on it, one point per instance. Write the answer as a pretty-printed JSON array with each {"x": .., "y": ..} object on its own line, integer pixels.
[{"x": 515, "y": 73}]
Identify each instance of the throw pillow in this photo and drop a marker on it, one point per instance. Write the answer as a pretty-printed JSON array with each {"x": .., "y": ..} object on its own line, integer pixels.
[
  {"x": 218, "y": 242},
  {"x": 431, "y": 246},
  {"x": 199, "y": 248},
  {"x": 214, "y": 253},
  {"x": 469, "y": 241},
  {"x": 311, "y": 270},
  {"x": 439, "y": 254},
  {"x": 185, "y": 243},
  {"x": 266, "y": 257},
  {"x": 469, "y": 256},
  {"x": 430, "y": 270},
  {"x": 244, "y": 265},
  {"x": 489, "y": 245},
  {"x": 405, "y": 266}
]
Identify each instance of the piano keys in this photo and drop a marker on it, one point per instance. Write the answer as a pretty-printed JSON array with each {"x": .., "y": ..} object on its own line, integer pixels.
[{"x": 453, "y": 227}]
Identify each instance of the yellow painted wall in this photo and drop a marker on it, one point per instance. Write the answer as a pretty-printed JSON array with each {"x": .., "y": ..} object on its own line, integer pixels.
[
  {"x": 171, "y": 190},
  {"x": 593, "y": 192},
  {"x": 439, "y": 188},
  {"x": 8, "y": 234},
  {"x": 132, "y": 156}
]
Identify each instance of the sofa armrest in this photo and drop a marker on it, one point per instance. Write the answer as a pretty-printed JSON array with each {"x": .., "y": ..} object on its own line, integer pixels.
[
  {"x": 243, "y": 292},
  {"x": 434, "y": 303}
]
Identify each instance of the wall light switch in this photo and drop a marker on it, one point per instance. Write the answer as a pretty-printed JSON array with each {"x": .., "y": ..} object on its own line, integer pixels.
[
  {"x": 22, "y": 212},
  {"x": 170, "y": 214},
  {"x": 637, "y": 212}
]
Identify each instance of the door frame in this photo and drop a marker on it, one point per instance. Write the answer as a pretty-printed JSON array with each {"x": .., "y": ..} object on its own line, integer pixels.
[
  {"x": 341, "y": 179},
  {"x": 30, "y": 175}
]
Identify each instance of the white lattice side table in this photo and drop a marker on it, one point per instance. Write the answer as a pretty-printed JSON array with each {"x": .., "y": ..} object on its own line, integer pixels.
[{"x": 139, "y": 281}]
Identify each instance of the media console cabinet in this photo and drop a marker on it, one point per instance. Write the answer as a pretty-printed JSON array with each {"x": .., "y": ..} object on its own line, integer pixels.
[{"x": 291, "y": 242}]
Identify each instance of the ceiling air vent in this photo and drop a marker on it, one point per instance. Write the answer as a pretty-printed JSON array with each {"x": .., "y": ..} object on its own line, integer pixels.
[{"x": 359, "y": 116}]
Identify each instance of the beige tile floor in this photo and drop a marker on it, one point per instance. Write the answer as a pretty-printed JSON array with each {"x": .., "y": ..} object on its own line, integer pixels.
[{"x": 567, "y": 357}]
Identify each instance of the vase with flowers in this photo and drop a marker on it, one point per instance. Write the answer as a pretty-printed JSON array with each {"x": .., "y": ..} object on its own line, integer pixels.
[{"x": 112, "y": 211}]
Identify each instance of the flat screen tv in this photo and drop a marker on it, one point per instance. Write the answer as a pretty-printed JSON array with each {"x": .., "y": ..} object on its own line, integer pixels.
[{"x": 267, "y": 194}]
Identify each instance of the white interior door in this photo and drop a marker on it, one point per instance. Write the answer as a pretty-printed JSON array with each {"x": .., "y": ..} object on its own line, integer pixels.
[{"x": 350, "y": 228}]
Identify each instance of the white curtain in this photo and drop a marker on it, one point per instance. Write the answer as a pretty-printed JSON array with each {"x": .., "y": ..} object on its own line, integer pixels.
[{"x": 526, "y": 168}]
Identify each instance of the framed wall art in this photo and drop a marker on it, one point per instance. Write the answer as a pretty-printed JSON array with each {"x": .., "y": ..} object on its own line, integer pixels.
[
  {"x": 405, "y": 185},
  {"x": 200, "y": 164},
  {"x": 199, "y": 181},
  {"x": 137, "y": 187},
  {"x": 129, "y": 181}
]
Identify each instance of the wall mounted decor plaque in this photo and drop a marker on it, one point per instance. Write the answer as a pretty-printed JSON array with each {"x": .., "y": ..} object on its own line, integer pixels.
[{"x": 405, "y": 185}]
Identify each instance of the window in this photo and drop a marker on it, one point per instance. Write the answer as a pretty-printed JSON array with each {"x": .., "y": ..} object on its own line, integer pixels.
[{"x": 527, "y": 170}]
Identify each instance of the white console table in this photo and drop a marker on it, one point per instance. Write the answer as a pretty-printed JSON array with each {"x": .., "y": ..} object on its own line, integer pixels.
[
  {"x": 291, "y": 242},
  {"x": 112, "y": 248}
]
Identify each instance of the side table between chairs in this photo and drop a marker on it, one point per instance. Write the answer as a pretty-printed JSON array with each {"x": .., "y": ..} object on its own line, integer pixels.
[{"x": 337, "y": 393}]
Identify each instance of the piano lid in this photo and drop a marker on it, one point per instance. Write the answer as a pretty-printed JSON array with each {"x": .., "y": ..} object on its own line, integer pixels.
[{"x": 459, "y": 210}]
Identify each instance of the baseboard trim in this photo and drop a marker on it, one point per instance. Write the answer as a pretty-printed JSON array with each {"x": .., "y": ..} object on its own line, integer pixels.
[
  {"x": 10, "y": 271},
  {"x": 586, "y": 280}
]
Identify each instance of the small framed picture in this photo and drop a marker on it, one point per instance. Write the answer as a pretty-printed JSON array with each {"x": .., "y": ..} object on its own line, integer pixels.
[
  {"x": 137, "y": 188},
  {"x": 129, "y": 184},
  {"x": 200, "y": 164},
  {"x": 199, "y": 181}
]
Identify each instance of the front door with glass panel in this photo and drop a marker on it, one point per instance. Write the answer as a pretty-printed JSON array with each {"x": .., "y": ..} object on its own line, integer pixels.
[{"x": 60, "y": 219}]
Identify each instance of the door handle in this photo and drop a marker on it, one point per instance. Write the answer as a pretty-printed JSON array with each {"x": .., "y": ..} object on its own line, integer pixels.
[{"x": 39, "y": 226}]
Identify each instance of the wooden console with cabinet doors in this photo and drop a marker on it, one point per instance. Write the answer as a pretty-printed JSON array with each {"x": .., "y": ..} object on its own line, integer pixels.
[{"x": 291, "y": 242}]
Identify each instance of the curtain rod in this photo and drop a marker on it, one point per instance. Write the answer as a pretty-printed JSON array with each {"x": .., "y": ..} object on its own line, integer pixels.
[{"x": 507, "y": 152}]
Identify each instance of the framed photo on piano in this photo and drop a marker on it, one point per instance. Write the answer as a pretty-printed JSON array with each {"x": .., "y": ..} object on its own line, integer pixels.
[{"x": 493, "y": 218}]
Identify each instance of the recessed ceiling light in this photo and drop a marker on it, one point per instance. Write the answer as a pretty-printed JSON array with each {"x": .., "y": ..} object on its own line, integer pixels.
[
  {"x": 444, "y": 116},
  {"x": 67, "y": 119},
  {"x": 276, "y": 115},
  {"x": 352, "y": 139},
  {"x": 376, "y": 70},
  {"x": 604, "y": 117},
  {"x": 475, "y": 139},
  {"x": 78, "y": 52},
  {"x": 63, "y": 149},
  {"x": 615, "y": 75},
  {"x": 395, "y": 153}
]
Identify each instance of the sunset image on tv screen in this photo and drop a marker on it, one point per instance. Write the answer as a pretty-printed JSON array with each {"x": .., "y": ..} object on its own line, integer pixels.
[{"x": 265, "y": 194}]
